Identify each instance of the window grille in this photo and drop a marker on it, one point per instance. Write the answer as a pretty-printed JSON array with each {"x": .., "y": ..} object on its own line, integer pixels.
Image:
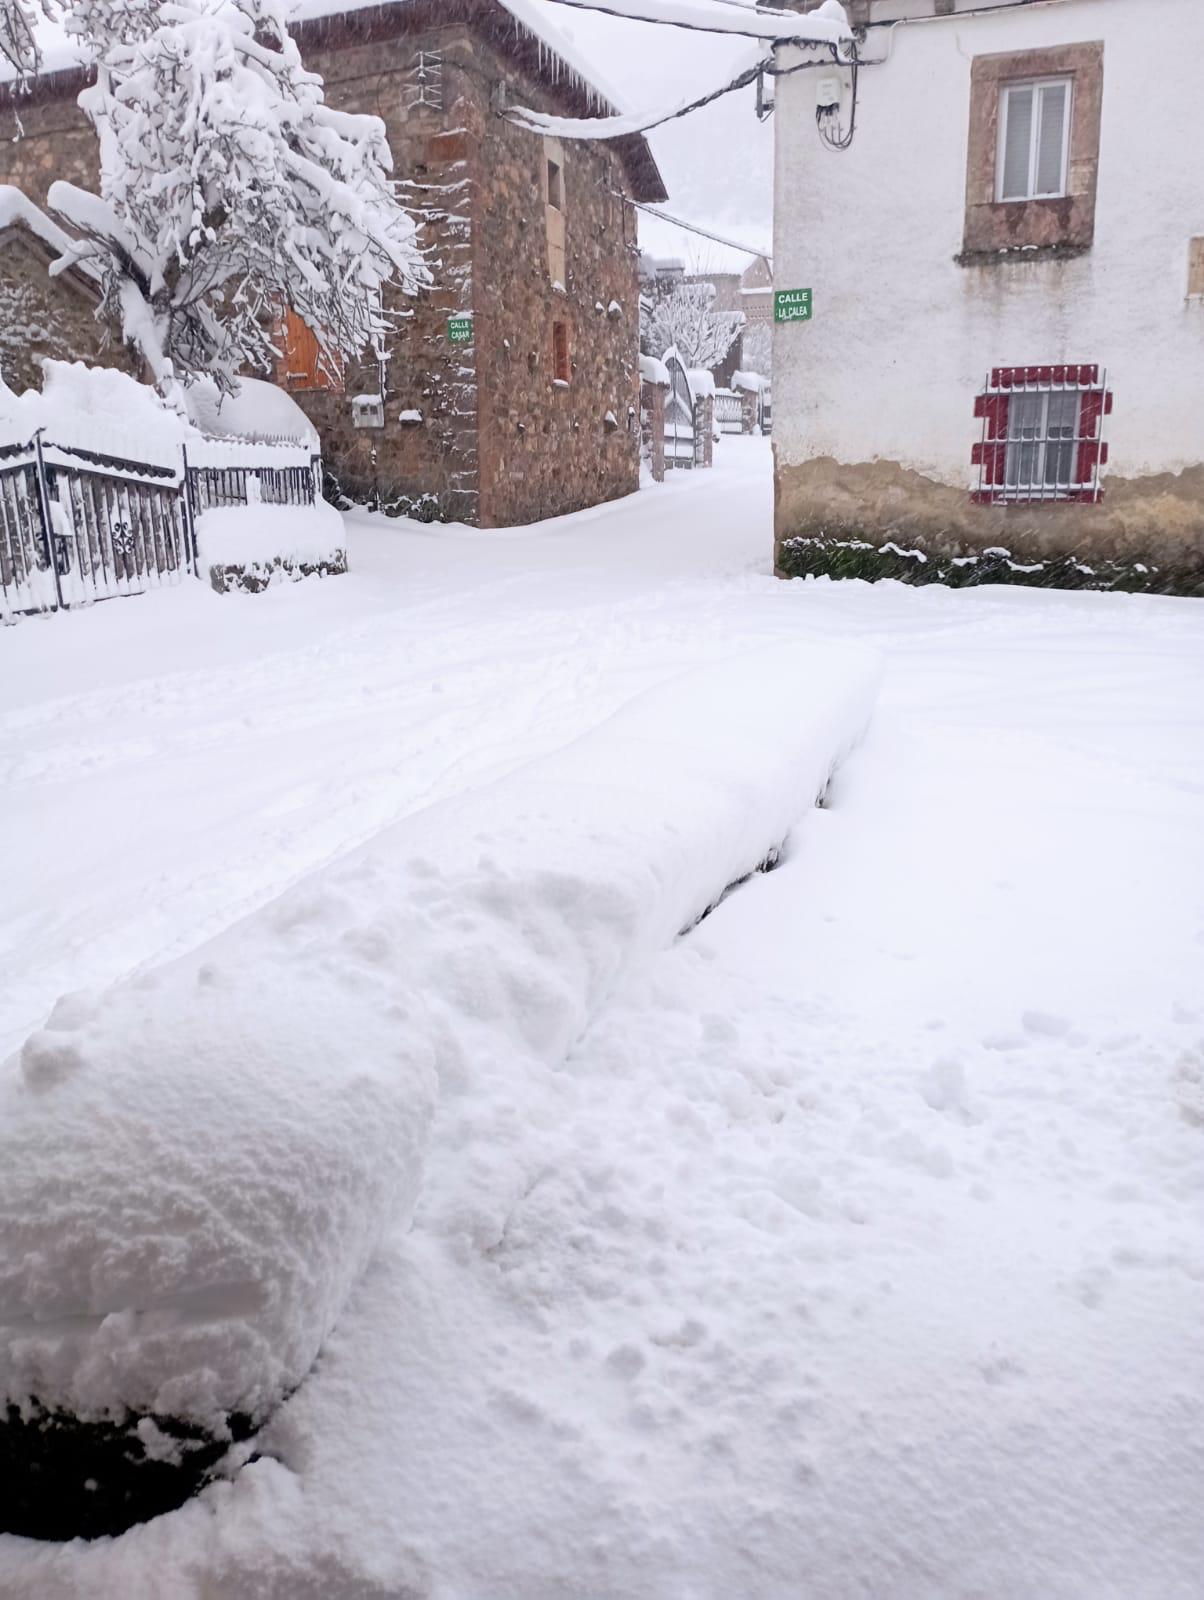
[
  {"x": 1042, "y": 434},
  {"x": 424, "y": 81},
  {"x": 1034, "y": 139}
]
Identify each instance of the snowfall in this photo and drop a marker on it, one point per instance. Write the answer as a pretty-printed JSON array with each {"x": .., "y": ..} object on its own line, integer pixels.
[{"x": 846, "y": 1241}]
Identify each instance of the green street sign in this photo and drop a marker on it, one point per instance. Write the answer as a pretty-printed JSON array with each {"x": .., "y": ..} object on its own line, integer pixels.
[
  {"x": 459, "y": 330},
  {"x": 792, "y": 305}
]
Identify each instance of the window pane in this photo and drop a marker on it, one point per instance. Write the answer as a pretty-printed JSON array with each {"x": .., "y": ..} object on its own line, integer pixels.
[
  {"x": 1017, "y": 143},
  {"x": 1052, "y": 131},
  {"x": 1063, "y": 415}
]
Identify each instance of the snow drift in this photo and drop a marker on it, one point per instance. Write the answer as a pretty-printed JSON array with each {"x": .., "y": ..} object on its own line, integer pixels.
[{"x": 196, "y": 1166}]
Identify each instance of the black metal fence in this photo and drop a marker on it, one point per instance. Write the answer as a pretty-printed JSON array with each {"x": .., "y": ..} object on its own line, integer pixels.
[{"x": 77, "y": 527}]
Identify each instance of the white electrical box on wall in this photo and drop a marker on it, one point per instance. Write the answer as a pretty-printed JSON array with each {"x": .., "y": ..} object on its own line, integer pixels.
[
  {"x": 829, "y": 93},
  {"x": 368, "y": 410}
]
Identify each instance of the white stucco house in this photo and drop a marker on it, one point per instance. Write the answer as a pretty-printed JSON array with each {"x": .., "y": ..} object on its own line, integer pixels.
[{"x": 1005, "y": 347}]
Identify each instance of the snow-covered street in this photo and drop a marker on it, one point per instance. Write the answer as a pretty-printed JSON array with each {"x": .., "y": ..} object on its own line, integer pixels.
[{"x": 857, "y": 1248}]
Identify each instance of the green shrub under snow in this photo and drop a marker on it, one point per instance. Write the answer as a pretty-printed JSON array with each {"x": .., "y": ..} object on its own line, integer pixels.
[{"x": 858, "y": 558}]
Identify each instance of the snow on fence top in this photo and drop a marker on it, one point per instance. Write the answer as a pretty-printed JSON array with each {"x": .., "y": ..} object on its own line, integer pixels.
[
  {"x": 702, "y": 382},
  {"x": 106, "y": 412},
  {"x": 196, "y": 1166},
  {"x": 752, "y": 381}
]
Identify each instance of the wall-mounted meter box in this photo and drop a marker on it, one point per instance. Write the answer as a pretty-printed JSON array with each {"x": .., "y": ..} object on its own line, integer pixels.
[
  {"x": 368, "y": 411},
  {"x": 829, "y": 93}
]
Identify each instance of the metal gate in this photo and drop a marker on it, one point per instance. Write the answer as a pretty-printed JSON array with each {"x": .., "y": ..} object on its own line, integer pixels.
[
  {"x": 729, "y": 411},
  {"x": 679, "y": 416},
  {"x": 76, "y": 527}
]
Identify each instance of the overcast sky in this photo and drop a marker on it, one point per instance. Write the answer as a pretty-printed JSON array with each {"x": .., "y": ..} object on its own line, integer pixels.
[{"x": 718, "y": 163}]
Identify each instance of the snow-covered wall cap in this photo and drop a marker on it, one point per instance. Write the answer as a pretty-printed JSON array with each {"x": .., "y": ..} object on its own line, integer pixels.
[
  {"x": 654, "y": 371},
  {"x": 752, "y": 381},
  {"x": 702, "y": 382},
  {"x": 18, "y": 210},
  {"x": 259, "y": 413}
]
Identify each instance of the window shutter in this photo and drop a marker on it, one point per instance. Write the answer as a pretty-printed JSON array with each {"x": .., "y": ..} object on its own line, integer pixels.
[
  {"x": 1051, "y": 133},
  {"x": 992, "y": 455},
  {"x": 1017, "y": 142},
  {"x": 1090, "y": 411}
]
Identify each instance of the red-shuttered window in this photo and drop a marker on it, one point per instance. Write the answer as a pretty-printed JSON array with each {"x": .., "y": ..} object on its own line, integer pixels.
[{"x": 1042, "y": 435}]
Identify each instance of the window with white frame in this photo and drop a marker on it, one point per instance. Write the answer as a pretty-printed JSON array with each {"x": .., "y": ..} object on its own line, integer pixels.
[
  {"x": 1034, "y": 139},
  {"x": 1042, "y": 434},
  {"x": 1043, "y": 427}
]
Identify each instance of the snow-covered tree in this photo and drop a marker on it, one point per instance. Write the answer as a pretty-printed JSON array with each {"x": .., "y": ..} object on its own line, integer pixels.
[
  {"x": 758, "y": 349},
  {"x": 682, "y": 318},
  {"x": 18, "y": 35},
  {"x": 230, "y": 191}
]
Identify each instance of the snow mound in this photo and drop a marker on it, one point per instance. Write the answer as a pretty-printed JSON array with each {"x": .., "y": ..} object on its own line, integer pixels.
[
  {"x": 702, "y": 383},
  {"x": 258, "y": 535},
  {"x": 654, "y": 372},
  {"x": 260, "y": 413},
  {"x": 197, "y": 1166}
]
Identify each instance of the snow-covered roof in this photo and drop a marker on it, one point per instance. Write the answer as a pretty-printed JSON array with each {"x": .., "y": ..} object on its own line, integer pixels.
[{"x": 524, "y": 27}]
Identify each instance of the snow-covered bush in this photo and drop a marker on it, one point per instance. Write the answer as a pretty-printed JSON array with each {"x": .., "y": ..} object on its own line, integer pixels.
[
  {"x": 230, "y": 191},
  {"x": 196, "y": 1167},
  {"x": 682, "y": 319}
]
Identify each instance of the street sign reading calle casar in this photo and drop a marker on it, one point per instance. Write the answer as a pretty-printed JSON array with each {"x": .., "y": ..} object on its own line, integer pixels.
[{"x": 792, "y": 305}]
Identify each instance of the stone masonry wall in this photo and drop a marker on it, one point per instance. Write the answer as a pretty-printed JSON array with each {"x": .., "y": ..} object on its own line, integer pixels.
[
  {"x": 427, "y": 468},
  {"x": 45, "y": 136},
  {"x": 547, "y": 449},
  {"x": 43, "y": 317}
]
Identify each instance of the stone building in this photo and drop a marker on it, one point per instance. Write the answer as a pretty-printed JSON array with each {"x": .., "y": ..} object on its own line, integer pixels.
[
  {"x": 1005, "y": 349},
  {"x": 508, "y": 392}
]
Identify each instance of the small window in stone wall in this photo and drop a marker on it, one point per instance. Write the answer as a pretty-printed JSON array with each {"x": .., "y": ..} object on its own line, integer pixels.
[
  {"x": 554, "y": 218},
  {"x": 562, "y": 365},
  {"x": 555, "y": 185}
]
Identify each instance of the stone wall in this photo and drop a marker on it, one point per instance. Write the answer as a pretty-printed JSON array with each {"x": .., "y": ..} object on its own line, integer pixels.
[
  {"x": 652, "y": 421},
  {"x": 43, "y": 317},
  {"x": 427, "y": 468},
  {"x": 45, "y": 136},
  {"x": 547, "y": 448}
]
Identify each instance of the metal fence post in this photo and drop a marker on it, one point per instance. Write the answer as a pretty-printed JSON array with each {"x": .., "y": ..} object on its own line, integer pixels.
[
  {"x": 44, "y": 515},
  {"x": 189, "y": 515}
]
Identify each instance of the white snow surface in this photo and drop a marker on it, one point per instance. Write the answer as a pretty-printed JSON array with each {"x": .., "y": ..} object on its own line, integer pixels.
[
  {"x": 258, "y": 535},
  {"x": 196, "y": 1167},
  {"x": 654, "y": 371},
  {"x": 855, "y": 1248}
]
